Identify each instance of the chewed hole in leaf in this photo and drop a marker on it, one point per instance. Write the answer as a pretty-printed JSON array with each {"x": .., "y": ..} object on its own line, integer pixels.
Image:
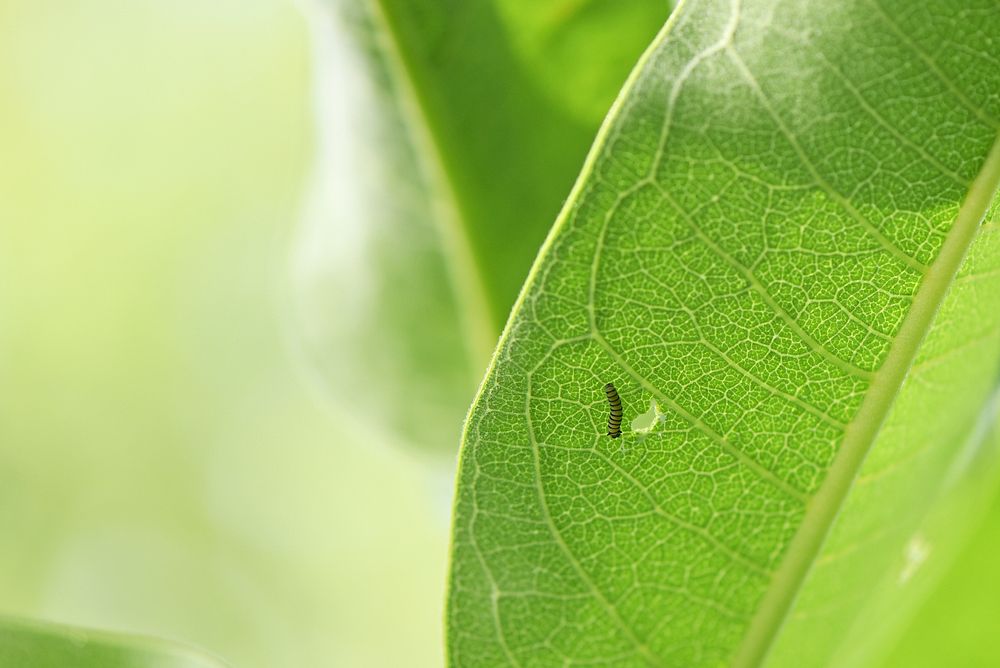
[{"x": 646, "y": 422}]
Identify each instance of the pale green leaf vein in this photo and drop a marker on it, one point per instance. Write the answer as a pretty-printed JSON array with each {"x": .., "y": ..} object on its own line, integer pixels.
[
  {"x": 933, "y": 67},
  {"x": 807, "y": 162}
]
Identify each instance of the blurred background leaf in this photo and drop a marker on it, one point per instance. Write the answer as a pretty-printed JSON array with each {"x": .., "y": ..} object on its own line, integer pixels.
[
  {"x": 25, "y": 644},
  {"x": 164, "y": 468}
]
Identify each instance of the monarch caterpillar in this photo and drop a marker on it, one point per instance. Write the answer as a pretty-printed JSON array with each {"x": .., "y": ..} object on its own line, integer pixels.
[{"x": 615, "y": 419}]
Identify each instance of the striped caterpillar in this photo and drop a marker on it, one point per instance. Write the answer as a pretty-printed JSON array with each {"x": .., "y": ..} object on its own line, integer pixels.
[{"x": 615, "y": 418}]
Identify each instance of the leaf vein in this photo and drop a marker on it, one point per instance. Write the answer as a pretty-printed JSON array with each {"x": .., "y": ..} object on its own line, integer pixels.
[{"x": 841, "y": 201}]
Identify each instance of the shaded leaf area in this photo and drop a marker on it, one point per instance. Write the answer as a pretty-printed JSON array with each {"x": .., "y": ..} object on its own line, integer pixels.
[
  {"x": 443, "y": 160},
  {"x": 778, "y": 238},
  {"x": 34, "y": 645}
]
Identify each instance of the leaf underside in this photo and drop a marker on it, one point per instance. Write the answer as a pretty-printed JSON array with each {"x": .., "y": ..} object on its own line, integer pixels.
[{"x": 779, "y": 238}]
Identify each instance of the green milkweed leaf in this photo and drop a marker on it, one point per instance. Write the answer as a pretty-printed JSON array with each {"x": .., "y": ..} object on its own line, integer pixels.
[
  {"x": 783, "y": 238},
  {"x": 25, "y": 644}
]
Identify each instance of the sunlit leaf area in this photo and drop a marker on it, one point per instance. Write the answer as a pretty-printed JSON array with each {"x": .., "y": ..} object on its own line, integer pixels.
[{"x": 309, "y": 311}]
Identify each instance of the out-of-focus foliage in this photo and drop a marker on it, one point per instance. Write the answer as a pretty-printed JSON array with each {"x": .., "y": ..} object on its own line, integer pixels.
[
  {"x": 446, "y": 150},
  {"x": 164, "y": 467},
  {"x": 30, "y": 645},
  {"x": 957, "y": 624}
]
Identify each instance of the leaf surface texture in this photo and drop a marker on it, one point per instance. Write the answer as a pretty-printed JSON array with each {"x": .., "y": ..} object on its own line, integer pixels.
[{"x": 782, "y": 237}]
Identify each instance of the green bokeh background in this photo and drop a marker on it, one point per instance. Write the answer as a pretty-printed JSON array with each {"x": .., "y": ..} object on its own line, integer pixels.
[{"x": 166, "y": 464}]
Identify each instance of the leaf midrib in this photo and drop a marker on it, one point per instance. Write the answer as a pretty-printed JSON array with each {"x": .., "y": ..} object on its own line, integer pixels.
[{"x": 862, "y": 432}]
